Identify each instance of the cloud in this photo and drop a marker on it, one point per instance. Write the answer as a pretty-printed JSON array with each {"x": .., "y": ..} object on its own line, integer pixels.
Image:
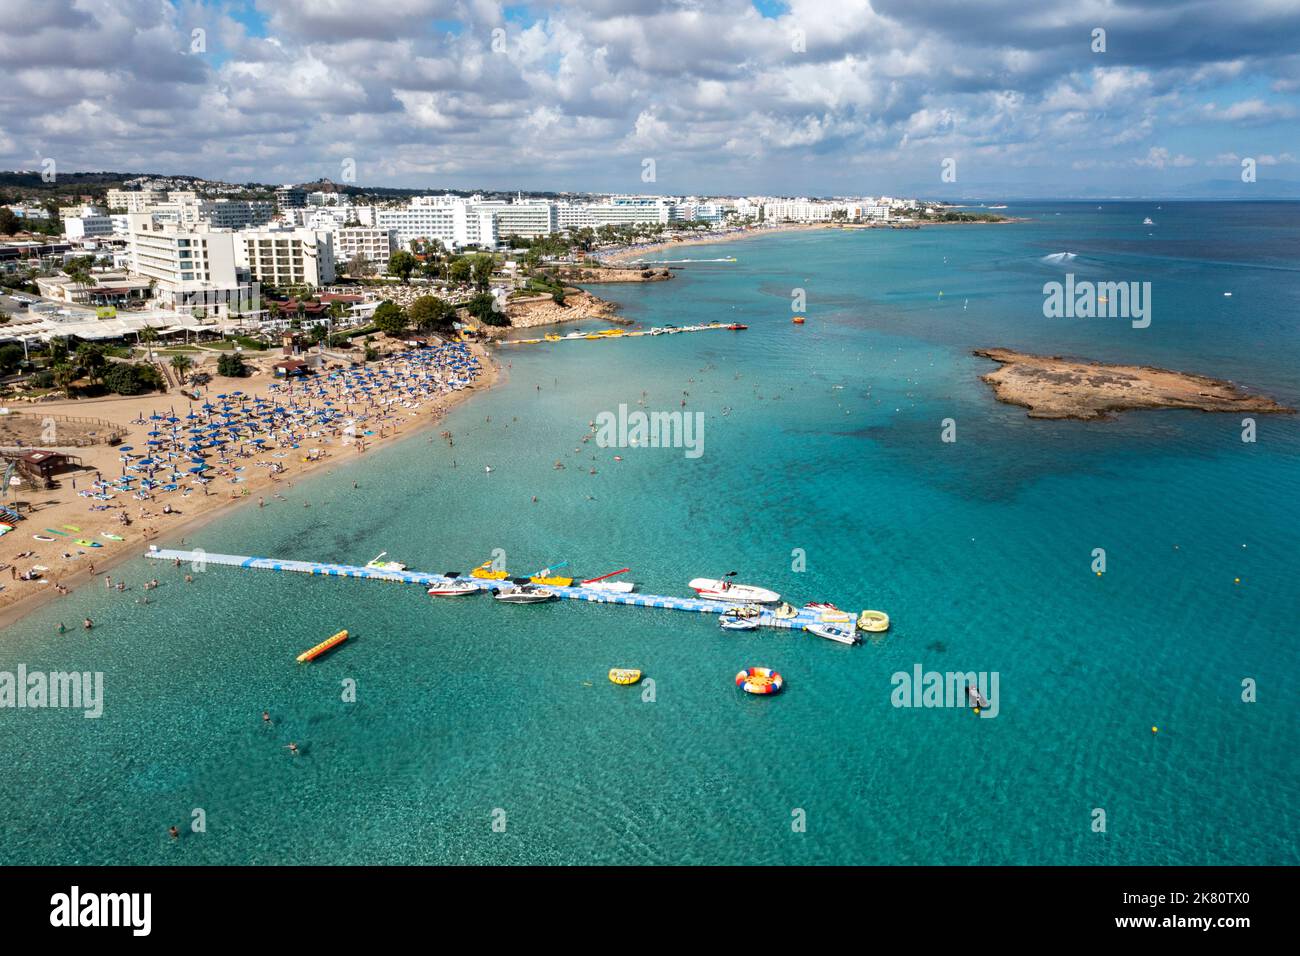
[{"x": 575, "y": 94}]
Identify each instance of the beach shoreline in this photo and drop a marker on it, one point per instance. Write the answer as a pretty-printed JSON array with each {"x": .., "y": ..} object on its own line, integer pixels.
[
  {"x": 637, "y": 253},
  {"x": 199, "y": 510}
]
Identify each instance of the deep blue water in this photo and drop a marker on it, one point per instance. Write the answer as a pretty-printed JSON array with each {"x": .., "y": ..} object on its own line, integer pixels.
[{"x": 824, "y": 438}]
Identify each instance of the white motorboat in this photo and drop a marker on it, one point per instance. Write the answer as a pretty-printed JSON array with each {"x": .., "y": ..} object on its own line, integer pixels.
[
  {"x": 724, "y": 590},
  {"x": 974, "y": 697},
  {"x": 453, "y": 589},
  {"x": 742, "y": 618},
  {"x": 378, "y": 565},
  {"x": 1147, "y": 221},
  {"x": 525, "y": 594},
  {"x": 834, "y": 632},
  {"x": 613, "y": 587}
]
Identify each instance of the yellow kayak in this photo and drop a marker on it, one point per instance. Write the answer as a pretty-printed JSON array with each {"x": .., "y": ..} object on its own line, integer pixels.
[
  {"x": 485, "y": 571},
  {"x": 552, "y": 581},
  {"x": 552, "y": 338},
  {"x": 624, "y": 675}
]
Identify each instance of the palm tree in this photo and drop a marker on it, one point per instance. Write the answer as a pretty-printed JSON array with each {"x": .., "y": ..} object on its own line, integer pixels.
[
  {"x": 182, "y": 365},
  {"x": 148, "y": 335},
  {"x": 64, "y": 376}
]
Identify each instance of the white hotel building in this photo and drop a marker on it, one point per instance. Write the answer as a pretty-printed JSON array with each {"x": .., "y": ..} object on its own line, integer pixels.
[
  {"x": 284, "y": 257},
  {"x": 452, "y": 220},
  {"x": 187, "y": 263}
]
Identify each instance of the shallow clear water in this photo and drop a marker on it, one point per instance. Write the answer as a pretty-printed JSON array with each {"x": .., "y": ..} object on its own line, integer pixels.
[{"x": 824, "y": 438}]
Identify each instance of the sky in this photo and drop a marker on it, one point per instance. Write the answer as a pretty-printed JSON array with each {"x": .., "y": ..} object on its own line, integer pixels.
[{"x": 803, "y": 97}]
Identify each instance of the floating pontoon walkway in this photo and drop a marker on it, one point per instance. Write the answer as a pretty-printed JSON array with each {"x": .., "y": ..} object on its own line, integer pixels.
[
  {"x": 603, "y": 334},
  {"x": 767, "y": 616}
]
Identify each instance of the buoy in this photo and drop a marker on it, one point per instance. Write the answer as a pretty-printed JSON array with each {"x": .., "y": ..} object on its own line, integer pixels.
[
  {"x": 1236, "y": 580},
  {"x": 1155, "y": 730}
]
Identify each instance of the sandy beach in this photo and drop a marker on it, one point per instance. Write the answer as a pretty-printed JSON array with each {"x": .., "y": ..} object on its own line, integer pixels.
[
  {"x": 67, "y": 509},
  {"x": 637, "y": 253}
]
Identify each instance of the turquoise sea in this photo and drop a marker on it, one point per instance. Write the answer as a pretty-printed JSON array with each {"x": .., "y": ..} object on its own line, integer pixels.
[{"x": 824, "y": 438}]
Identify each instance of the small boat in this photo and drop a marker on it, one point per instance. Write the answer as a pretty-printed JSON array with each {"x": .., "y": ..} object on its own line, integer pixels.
[
  {"x": 525, "y": 594},
  {"x": 87, "y": 543},
  {"x": 611, "y": 587},
  {"x": 326, "y": 645},
  {"x": 453, "y": 589},
  {"x": 786, "y": 611},
  {"x": 552, "y": 337},
  {"x": 742, "y": 618},
  {"x": 760, "y": 680},
  {"x": 110, "y": 537},
  {"x": 42, "y": 537},
  {"x": 624, "y": 676},
  {"x": 974, "y": 696},
  {"x": 834, "y": 632},
  {"x": 547, "y": 577},
  {"x": 1147, "y": 221},
  {"x": 602, "y": 583},
  {"x": 798, "y": 320},
  {"x": 873, "y": 621},
  {"x": 737, "y": 327},
  {"x": 722, "y": 589},
  {"x": 375, "y": 564},
  {"x": 484, "y": 571}
]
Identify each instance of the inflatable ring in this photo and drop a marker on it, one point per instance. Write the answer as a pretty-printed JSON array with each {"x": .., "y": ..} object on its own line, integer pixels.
[
  {"x": 873, "y": 621},
  {"x": 760, "y": 680}
]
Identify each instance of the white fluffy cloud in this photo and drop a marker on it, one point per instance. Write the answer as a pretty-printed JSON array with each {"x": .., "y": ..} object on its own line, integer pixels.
[{"x": 850, "y": 94}]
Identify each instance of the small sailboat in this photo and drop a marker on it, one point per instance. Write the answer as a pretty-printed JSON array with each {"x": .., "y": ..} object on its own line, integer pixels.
[
  {"x": 525, "y": 594},
  {"x": 843, "y": 634},
  {"x": 722, "y": 589}
]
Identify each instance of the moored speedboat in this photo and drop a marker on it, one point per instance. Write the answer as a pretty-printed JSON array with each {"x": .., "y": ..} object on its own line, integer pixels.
[
  {"x": 452, "y": 589},
  {"x": 724, "y": 590},
  {"x": 834, "y": 632},
  {"x": 525, "y": 594},
  {"x": 737, "y": 327},
  {"x": 376, "y": 564},
  {"x": 743, "y": 618}
]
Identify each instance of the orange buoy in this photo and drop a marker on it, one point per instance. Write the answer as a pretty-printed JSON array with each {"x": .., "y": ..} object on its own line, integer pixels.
[{"x": 798, "y": 320}]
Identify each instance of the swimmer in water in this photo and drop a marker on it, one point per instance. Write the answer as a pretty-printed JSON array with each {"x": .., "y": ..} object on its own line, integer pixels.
[
  {"x": 173, "y": 832},
  {"x": 266, "y": 716},
  {"x": 87, "y": 624},
  {"x": 292, "y": 748}
]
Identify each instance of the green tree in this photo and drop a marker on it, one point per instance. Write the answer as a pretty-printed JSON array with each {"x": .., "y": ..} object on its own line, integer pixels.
[
  {"x": 92, "y": 361},
  {"x": 487, "y": 310},
  {"x": 231, "y": 365},
  {"x": 182, "y": 365},
  {"x": 401, "y": 264},
  {"x": 11, "y": 356},
  {"x": 461, "y": 269},
  {"x": 429, "y": 313},
  {"x": 64, "y": 376},
  {"x": 148, "y": 335},
  {"x": 482, "y": 270},
  {"x": 390, "y": 319}
]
